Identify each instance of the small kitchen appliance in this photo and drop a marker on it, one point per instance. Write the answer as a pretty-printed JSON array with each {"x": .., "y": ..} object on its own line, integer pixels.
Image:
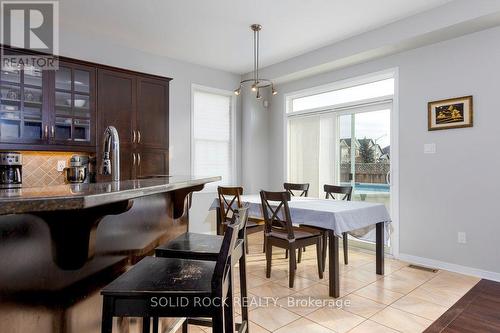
[
  {"x": 78, "y": 170},
  {"x": 11, "y": 170}
]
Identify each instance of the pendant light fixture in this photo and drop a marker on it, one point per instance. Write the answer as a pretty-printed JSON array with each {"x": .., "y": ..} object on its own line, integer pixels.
[{"x": 257, "y": 82}]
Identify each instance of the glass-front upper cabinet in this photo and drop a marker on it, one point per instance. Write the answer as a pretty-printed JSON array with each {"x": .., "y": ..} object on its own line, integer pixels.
[
  {"x": 74, "y": 109},
  {"x": 21, "y": 106}
]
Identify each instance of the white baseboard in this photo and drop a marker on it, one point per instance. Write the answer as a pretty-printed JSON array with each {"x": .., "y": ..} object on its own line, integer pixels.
[{"x": 431, "y": 263}]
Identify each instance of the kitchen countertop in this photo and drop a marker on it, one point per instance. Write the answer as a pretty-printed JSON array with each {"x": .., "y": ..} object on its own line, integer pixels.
[{"x": 81, "y": 196}]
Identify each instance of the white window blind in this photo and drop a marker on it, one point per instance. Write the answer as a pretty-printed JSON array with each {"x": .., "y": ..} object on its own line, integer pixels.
[{"x": 212, "y": 141}]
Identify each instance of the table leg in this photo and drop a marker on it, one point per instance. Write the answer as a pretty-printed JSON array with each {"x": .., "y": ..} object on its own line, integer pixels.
[
  {"x": 333, "y": 262},
  {"x": 380, "y": 247}
]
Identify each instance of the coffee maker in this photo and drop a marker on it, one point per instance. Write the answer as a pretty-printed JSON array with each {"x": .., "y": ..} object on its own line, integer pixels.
[{"x": 11, "y": 174}]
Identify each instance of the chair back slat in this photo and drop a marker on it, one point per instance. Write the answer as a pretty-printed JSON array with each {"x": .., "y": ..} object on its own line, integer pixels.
[
  {"x": 223, "y": 264},
  {"x": 291, "y": 187},
  {"x": 332, "y": 190},
  {"x": 243, "y": 216},
  {"x": 229, "y": 200},
  {"x": 277, "y": 213}
]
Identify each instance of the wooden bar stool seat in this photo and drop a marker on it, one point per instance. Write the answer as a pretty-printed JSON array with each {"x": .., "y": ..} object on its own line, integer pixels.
[
  {"x": 163, "y": 277},
  {"x": 173, "y": 287},
  {"x": 192, "y": 245}
]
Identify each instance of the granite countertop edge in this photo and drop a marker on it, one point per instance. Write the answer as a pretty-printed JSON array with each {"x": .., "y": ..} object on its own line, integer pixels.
[{"x": 44, "y": 203}]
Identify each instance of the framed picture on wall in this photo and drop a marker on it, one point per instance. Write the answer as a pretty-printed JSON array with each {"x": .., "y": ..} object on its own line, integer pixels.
[{"x": 451, "y": 113}]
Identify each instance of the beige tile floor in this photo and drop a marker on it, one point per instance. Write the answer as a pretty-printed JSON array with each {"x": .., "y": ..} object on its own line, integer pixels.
[{"x": 404, "y": 300}]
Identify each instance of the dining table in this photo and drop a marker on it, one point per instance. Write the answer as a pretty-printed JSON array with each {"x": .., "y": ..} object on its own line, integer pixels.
[{"x": 365, "y": 220}]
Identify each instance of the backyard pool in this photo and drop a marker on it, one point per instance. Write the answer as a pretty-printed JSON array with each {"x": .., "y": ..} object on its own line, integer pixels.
[{"x": 361, "y": 188}]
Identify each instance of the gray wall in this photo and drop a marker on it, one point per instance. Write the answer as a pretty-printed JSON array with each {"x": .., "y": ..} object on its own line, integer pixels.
[{"x": 457, "y": 188}]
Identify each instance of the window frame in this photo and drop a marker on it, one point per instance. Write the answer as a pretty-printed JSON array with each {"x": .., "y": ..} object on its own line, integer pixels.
[{"x": 232, "y": 136}]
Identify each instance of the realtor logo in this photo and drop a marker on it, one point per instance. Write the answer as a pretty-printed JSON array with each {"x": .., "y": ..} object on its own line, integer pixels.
[{"x": 31, "y": 25}]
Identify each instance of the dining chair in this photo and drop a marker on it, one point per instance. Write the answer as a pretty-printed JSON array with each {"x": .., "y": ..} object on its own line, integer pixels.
[
  {"x": 229, "y": 200},
  {"x": 301, "y": 190},
  {"x": 337, "y": 193},
  {"x": 280, "y": 232},
  {"x": 172, "y": 287},
  {"x": 293, "y": 187}
]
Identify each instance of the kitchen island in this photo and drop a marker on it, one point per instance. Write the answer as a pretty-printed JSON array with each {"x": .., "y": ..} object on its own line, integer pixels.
[{"x": 60, "y": 244}]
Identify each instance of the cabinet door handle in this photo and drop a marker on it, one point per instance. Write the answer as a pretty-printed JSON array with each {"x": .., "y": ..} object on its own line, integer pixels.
[
  {"x": 52, "y": 132},
  {"x": 133, "y": 158},
  {"x": 133, "y": 136},
  {"x": 138, "y": 159},
  {"x": 138, "y": 136},
  {"x": 46, "y": 132}
]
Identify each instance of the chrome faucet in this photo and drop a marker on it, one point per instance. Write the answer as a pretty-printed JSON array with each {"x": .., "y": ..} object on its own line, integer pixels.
[{"x": 111, "y": 145}]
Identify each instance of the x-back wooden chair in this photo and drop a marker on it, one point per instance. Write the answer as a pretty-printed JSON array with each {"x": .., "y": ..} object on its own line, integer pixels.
[
  {"x": 337, "y": 193},
  {"x": 302, "y": 189},
  {"x": 229, "y": 200},
  {"x": 280, "y": 232}
]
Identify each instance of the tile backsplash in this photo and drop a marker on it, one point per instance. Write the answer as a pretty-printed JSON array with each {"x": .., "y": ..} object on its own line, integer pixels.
[{"x": 40, "y": 168}]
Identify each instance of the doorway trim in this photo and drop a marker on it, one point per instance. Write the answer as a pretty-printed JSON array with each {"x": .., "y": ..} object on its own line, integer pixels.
[{"x": 363, "y": 79}]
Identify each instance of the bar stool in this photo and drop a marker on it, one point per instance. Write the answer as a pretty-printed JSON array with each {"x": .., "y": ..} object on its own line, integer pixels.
[
  {"x": 207, "y": 247},
  {"x": 173, "y": 287}
]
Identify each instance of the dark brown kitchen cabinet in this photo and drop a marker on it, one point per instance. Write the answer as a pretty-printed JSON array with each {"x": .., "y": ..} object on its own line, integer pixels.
[
  {"x": 116, "y": 104},
  {"x": 151, "y": 162},
  {"x": 72, "y": 121},
  {"x": 69, "y": 108},
  {"x": 23, "y": 106},
  {"x": 152, "y": 115},
  {"x": 48, "y": 109},
  {"x": 127, "y": 163},
  {"x": 137, "y": 105}
]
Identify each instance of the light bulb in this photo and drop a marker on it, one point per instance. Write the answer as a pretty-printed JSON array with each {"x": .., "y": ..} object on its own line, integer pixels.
[
  {"x": 275, "y": 92},
  {"x": 237, "y": 92},
  {"x": 254, "y": 87}
]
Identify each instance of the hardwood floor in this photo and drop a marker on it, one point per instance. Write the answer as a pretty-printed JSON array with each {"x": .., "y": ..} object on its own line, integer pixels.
[{"x": 477, "y": 311}]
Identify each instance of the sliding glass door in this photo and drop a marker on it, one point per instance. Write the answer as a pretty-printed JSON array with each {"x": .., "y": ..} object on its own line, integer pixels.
[{"x": 364, "y": 152}]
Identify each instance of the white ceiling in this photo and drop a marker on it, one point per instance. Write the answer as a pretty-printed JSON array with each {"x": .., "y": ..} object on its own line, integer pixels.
[{"x": 215, "y": 33}]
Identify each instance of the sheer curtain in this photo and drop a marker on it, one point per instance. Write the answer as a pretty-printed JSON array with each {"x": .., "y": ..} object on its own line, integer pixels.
[
  {"x": 212, "y": 141},
  {"x": 312, "y": 152}
]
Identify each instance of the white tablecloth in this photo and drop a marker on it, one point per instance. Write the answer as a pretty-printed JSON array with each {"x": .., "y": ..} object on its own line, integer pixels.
[{"x": 356, "y": 217}]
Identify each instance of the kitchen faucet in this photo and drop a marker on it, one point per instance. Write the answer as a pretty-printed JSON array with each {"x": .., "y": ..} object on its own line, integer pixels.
[{"x": 111, "y": 144}]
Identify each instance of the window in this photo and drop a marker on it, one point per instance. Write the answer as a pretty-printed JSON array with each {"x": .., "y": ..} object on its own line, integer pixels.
[
  {"x": 360, "y": 92},
  {"x": 212, "y": 133}
]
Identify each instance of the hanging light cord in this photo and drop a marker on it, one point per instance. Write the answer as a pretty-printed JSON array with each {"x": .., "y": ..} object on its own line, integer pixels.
[{"x": 257, "y": 57}]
